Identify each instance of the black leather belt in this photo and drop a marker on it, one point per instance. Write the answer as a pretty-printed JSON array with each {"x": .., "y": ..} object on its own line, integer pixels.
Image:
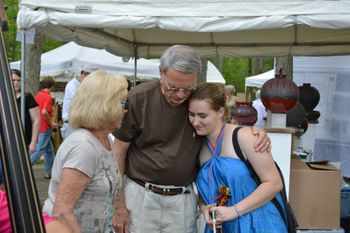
[{"x": 162, "y": 191}]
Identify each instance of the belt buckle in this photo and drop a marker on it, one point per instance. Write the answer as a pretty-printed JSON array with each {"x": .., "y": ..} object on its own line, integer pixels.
[{"x": 165, "y": 191}]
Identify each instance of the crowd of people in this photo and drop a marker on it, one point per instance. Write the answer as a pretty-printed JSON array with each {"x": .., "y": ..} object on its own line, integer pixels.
[{"x": 170, "y": 138}]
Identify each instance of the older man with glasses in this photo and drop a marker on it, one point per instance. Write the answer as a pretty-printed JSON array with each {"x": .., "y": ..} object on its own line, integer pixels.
[{"x": 157, "y": 149}]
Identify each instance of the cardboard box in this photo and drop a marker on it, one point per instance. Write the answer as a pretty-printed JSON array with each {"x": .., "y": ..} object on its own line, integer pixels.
[{"x": 315, "y": 194}]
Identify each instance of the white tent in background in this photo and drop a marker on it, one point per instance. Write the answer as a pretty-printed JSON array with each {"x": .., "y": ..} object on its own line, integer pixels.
[
  {"x": 66, "y": 61},
  {"x": 260, "y": 79}
]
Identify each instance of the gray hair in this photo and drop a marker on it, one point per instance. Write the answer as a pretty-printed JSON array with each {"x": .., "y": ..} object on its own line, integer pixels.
[
  {"x": 181, "y": 58},
  {"x": 230, "y": 89}
]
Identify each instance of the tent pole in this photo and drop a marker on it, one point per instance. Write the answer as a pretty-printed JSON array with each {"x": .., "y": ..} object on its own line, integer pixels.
[
  {"x": 23, "y": 74},
  {"x": 135, "y": 65}
]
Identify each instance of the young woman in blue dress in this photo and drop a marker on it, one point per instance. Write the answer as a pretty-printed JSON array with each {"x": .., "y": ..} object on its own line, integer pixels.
[{"x": 245, "y": 206}]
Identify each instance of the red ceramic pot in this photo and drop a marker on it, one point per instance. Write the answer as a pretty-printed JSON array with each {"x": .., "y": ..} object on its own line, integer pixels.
[
  {"x": 279, "y": 94},
  {"x": 244, "y": 113}
]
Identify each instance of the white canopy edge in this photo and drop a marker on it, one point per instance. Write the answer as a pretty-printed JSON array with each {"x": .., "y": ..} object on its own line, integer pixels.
[{"x": 229, "y": 28}]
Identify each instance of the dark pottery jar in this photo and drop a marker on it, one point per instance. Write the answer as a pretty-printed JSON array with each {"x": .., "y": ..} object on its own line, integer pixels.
[
  {"x": 279, "y": 94},
  {"x": 296, "y": 115},
  {"x": 312, "y": 116},
  {"x": 309, "y": 96},
  {"x": 302, "y": 128},
  {"x": 244, "y": 113}
]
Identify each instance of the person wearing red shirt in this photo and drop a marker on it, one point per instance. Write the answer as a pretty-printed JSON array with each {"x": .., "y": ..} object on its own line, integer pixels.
[{"x": 44, "y": 145}]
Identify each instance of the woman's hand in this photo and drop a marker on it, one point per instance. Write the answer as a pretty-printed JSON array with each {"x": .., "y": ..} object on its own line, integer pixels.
[
  {"x": 207, "y": 213},
  {"x": 32, "y": 148},
  {"x": 223, "y": 213}
]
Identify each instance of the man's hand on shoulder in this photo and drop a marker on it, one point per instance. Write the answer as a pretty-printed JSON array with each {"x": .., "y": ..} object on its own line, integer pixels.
[{"x": 263, "y": 143}]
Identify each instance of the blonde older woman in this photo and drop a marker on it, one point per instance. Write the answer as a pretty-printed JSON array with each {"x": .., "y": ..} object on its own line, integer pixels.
[{"x": 85, "y": 175}]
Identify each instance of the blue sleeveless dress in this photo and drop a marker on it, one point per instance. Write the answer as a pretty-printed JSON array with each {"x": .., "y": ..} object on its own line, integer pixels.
[{"x": 233, "y": 173}]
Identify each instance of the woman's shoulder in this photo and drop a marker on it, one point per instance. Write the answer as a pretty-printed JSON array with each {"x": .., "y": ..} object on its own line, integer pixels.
[
  {"x": 30, "y": 101},
  {"x": 244, "y": 132},
  {"x": 79, "y": 143},
  {"x": 79, "y": 138}
]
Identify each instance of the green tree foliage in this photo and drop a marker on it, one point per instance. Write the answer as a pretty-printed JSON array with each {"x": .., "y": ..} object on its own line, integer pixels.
[
  {"x": 235, "y": 70},
  {"x": 13, "y": 46}
]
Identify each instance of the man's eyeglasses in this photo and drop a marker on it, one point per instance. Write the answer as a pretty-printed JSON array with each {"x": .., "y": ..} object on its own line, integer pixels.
[
  {"x": 124, "y": 104},
  {"x": 187, "y": 90}
]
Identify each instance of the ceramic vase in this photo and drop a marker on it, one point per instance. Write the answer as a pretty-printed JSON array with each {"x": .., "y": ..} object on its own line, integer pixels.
[
  {"x": 279, "y": 94},
  {"x": 309, "y": 97},
  {"x": 244, "y": 113}
]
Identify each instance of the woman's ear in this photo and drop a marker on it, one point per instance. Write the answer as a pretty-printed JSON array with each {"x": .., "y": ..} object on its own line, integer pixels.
[{"x": 221, "y": 112}]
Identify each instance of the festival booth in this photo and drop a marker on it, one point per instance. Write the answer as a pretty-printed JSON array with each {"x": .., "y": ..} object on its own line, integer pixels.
[
  {"x": 329, "y": 138},
  {"x": 226, "y": 28},
  {"x": 325, "y": 140}
]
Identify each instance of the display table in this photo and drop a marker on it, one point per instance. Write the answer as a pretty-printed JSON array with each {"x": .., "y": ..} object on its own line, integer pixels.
[{"x": 281, "y": 143}]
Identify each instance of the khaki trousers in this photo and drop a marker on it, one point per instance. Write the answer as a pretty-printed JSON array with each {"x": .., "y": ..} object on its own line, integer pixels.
[{"x": 152, "y": 213}]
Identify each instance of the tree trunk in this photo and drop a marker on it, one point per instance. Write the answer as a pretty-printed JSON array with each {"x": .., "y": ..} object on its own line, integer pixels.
[
  {"x": 203, "y": 75},
  {"x": 220, "y": 63},
  {"x": 32, "y": 63},
  {"x": 256, "y": 65},
  {"x": 286, "y": 64}
]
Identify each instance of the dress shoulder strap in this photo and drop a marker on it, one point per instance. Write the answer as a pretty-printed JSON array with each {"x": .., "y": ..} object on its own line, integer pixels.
[
  {"x": 216, "y": 149},
  {"x": 236, "y": 144}
]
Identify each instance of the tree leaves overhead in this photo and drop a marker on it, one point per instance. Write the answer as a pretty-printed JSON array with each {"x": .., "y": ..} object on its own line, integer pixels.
[{"x": 13, "y": 46}]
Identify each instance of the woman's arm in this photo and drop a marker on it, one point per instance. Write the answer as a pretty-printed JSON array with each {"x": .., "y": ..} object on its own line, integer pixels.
[
  {"x": 121, "y": 218},
  {"x": 35, "y": 118},
  {"x": 265, "y": 168},
  {"x": 56, "y": 227},
  {"x": 72, "y": 185}
]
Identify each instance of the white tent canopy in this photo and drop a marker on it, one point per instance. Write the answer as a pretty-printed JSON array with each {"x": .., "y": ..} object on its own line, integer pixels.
[
  {"x": 228, "y": 27},
  {"x": 260, "y": 79},
  {"x": 68, "y": 59},
  {"x": 332, "y": 64}
]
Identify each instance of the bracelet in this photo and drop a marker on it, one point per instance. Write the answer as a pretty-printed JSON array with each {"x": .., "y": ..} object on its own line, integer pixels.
[{"x": 237, "y": 211}]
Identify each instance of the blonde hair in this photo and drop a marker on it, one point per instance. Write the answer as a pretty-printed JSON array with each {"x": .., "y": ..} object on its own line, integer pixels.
[{"x": 97, "y": 103}]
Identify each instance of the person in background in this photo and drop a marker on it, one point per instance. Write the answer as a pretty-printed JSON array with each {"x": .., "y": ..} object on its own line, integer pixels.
[
  {"x": 32, "y": 113},
  {"x": 85, "y": 174},
  {"x": 69, "y": 92},
  {"x": 224, "y": 182},
  {"x": 44, "y": 145},
  {"x": 31, "y": 116},
  {"x": 51, "y": 225},
  {"x": 260, "y": 108},
  {"x": 231, "y": 96},
  {"x": 158, "y": 150}
]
